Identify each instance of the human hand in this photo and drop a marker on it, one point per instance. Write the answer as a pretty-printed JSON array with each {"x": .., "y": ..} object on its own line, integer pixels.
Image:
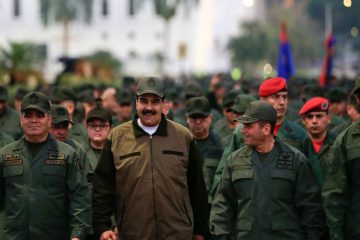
[
  {"x": 198, "y": 237},
  {"x": 108, "y": 235}
]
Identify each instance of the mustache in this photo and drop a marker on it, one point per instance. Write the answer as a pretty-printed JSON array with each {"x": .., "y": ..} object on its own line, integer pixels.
[{"x": 148, "y": 112}]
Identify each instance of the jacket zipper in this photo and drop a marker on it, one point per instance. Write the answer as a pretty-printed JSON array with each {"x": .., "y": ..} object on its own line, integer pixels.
[{"x": 153, "y": 187}]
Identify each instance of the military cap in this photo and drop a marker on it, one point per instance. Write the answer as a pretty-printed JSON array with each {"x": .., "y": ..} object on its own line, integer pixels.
[
  {"x": 198, "y": 105},
  {"x": 3, "y": 93},
  {"x": 124, "y": 96},
  {"x": 150, "y": 85},
  {"x": 336, "y": 95},
  {"x": 357, "y": 86},
  {"x": 20, "y": 93},
  {"x": 256, "y": 111},
  {"x": 173, "y": 95},
  {"x": 311, "y": 90},
  {"x": 315, "y": 104},
  {"x": 241, "y": 102},
  {"x": 36, "y": 100},
  {"x": 63, "y": 93},
  {"x": 271, "y": 86},
  {"x": 229, "y": 98},
  {"x": 99, "y": 113},
  {"x": 59, "y": 114},
  {"x": 193, "y": 90},
  {"x": 86, "y": 96}
]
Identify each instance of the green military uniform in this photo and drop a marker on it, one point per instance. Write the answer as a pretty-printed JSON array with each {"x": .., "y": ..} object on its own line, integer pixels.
[
  {"x": 79, "y": 133},
  {"x": 222, "y": 129},
  {"x": 46, "y": 196},
  {"x": 341, "y": 188},
  {"x": 273, "y": 199},
  {"x": 10, "y": 123},
  {"x": 5, "y": 139},
  {"x": 266, "y": 195},
  {"x": 211, "y": 151},
  {"x": 289, "y": 133}
]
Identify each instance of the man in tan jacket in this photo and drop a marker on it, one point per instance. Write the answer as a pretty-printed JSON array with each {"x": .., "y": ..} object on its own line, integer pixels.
[{"x": 151, "y": 170}]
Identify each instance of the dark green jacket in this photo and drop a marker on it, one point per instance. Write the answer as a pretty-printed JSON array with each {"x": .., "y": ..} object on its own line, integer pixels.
[
  {"x": 79, "y": 133},
  {"x": 211, "y": 151},
  {"x": 320, "y": 160},
  {"x": 289, "y": 133},
  {"x": 10, "y": 123},
  {"x": 341, "y": 189},
  {"x": 277, "y": 198},
  {"x": 5, "y": 139},
  {"x": 158, "y": 181},
  {"x": 45, "y": 197},
  {"x": 221, "y": 129}
]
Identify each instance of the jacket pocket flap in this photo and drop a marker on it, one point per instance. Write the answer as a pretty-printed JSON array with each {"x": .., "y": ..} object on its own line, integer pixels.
[
  {"x": 244, "y": 224},
  {"x": 210, "y": 162},
  {"x": 11, "y": 171},
  {"x": 284, "y": 225},
  {"x": 242, "y": 174},
  {"x": 284, "y": 174},
  {"x": 172, "y": 152},
  {"x": 55, "y": 170},
  {"x": 133, "y": 154}
]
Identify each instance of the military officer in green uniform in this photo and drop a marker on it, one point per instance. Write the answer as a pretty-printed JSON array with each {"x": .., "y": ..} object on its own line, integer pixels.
[
  {"x": 340, "y": 191},
  {"x": 98, "y": 125},
  {"x": 316, "y": 120},
  {"x": 66, "y": 97},
  {"x": 226, "y": 125},
  {"x": 125, "y": 109},
  {"x": 267, "y": 189},
  {"x": 9, "y": 118},
  {"x": 43, "y": 189},
  {"x": 274, "y": 92},
  {"x": 199, "y": 117},
  {"x": 60, "y": 130}
]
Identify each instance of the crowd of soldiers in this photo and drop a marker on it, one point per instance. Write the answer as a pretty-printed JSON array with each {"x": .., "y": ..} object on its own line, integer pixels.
[{"x": 156, "y": 162}]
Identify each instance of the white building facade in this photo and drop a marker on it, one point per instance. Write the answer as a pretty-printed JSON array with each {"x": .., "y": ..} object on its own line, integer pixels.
[{"x": 196, "y": 36}]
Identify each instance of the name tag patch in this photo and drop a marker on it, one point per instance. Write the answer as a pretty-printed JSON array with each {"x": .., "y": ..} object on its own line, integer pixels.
[
  {"x": 285, "y": 161},
  {"x": 55, "y": 159},
  {"x": 12, "y": 159}
]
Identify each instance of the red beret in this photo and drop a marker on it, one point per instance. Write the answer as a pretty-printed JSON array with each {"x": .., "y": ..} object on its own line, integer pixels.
[
  {"x": 271, "y": 86},
  {"x": 316, "y": 103}
]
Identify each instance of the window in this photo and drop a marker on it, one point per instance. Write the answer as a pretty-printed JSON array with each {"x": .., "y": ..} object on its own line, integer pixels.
[
  {"x": 105, "y": 8},
  {"x": 16, "y": 8}
]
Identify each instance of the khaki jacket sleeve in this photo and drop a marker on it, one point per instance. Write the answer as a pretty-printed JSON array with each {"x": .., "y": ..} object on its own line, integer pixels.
[
  {"x": 80, "y": 199},
  {"x": 335, "y": 191}
]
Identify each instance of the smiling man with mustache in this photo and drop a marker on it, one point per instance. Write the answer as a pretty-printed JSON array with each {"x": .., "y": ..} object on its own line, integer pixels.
[{"x": 154, "y": 167}]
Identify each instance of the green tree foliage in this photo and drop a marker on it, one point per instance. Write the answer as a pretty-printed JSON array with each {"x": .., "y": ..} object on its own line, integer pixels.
[{"x": 105, "y": 59}]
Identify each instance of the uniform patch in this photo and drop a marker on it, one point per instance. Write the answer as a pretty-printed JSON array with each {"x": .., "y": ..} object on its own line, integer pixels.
[
  {"x": 285, "y": 161},
  {"x": 54, "y": 162},
  {"x": 247, "y": 166},
  {"x": 12, "y": 159},
  {"x": 56, "y": 156}
]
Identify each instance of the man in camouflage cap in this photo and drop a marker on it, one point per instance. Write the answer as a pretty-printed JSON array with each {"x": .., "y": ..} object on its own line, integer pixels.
[
  {"x": 340, "y": 190},
  {"x": 199, "y": 116},
  {"x": 150, "y": 163},
  {"x": 267, "y": 190},
  {"x": 42, "y": 181},
  {"x": 9, "y": 118}
]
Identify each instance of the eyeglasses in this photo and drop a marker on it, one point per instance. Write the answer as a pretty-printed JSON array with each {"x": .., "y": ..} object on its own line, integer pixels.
[{"x": 98, "y": 126}]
